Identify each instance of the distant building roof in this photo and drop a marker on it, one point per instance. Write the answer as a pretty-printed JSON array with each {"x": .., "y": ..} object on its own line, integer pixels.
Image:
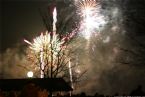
[{"x": 53, "y": 84}]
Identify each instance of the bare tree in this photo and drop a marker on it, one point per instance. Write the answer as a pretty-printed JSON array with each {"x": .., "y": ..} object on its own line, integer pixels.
[{"x": 55, "y": 58}]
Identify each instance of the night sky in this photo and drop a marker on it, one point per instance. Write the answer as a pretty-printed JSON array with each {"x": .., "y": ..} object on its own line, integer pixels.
[
  {"x": 115, "y": 60},
  {"x": 20, "y": 19}
]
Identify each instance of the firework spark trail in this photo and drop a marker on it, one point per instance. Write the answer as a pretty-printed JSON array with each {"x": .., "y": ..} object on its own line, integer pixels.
[
  {"x": 54, "y": 19},
  {"x": 70, "y": 73},
  {"x": 42, "y": 64}
]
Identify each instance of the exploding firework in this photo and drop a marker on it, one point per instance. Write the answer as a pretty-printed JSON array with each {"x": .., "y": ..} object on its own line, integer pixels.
[
  {"x": 87, "y": 7},
  {"x": 46, "y": 46},
  {"x": 91, "y": 19},
  {"x": 49, "y": 48},
  {"x": 44, "y": 42}
]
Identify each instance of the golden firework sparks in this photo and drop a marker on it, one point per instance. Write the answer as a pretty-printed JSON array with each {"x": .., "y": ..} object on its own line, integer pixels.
[{"x": 44, "y": 42}]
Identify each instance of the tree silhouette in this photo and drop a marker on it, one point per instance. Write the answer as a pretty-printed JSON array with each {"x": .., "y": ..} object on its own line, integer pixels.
[{"x": 55, "y": 52}]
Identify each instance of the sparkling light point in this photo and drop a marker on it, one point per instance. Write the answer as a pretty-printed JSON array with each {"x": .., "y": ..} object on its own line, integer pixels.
[{"x": 30, "y": 74}]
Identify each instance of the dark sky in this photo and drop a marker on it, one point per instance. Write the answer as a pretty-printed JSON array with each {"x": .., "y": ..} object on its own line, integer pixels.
[
  {"x": 20, "y": 19},
  {"x": 23, "y": 19}
]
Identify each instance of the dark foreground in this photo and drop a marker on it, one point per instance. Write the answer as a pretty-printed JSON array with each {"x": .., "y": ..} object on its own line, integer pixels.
[
  {"x": 56, "y": 87},
  {"x": 33, "y": 91}
]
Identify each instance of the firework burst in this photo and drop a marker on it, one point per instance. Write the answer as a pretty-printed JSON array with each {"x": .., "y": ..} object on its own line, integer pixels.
[
  {"x": 46, "y": 47},
  {"x": 87, "y": 7},
  {"x": 91, "y": 19},
  {"x": 44, "y": 42}
]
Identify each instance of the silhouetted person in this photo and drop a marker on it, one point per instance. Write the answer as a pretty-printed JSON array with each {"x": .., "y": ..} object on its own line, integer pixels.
[{"x": 138, "y": 91}]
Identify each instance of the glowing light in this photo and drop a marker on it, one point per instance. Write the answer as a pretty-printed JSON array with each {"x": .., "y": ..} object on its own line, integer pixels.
[
  {"x": 44, "y": 42},
  {"x": 70, "y": 73},
  {"x": 106, "y": 40},
  {"x": 54, "y": 19},
  {"x": 78, "y": 71},
  {"x": 30, "y": 74},
  {"x": 91, "y": 19}
]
